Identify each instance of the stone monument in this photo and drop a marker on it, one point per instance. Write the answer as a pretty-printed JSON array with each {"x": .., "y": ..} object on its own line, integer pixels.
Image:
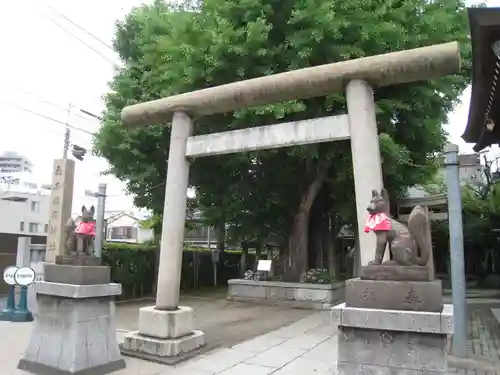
[
  {"x": 75, "y": 329},
  {"x": 394, "y": 319},
  {"x": 61, "y": 197}
]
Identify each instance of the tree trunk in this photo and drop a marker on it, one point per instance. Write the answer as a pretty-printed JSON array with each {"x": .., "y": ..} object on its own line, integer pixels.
[
  {"x": 356, "y": 267},
  {"x": 320, "y": 253},
  {"x": 220, "y": 233},
  {"x": 296, "y": 263},
  {"x": 330, "y": 235},
  {"x": 258, "y": 252},
  {"x": 157, "y": 240},
  {"x": 332, "y": 257},
  {"x": 243, "y": 260},
  {"x": 315, "y": 244},
  {"x": 157, "y": 264}
]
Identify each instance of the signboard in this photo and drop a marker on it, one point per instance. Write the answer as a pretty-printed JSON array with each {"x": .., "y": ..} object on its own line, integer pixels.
[
  {"x": 264, "y": 265},
  {"x": 9, "y": 275},
  {"x": 24, "y": 276},
  {"x": 9, "y": 180}
]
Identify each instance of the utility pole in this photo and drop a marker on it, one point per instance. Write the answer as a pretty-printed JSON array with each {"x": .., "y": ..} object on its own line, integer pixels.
[
  {"x": 61, "y": 198},
  {"x": 99, "y": 222},
  {"x": 67, "y": 134},
  {"x": 99, "y": 225},
  {"x": 451, "y": 164}
]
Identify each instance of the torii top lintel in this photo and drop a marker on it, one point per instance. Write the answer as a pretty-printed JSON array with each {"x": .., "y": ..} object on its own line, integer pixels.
[{"x": 382, "y": 70}]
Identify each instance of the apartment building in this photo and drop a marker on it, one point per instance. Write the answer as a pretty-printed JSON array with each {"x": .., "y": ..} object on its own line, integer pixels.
[
  {"x": 11, "y": 161},
  {"x": 24, "y": 204}
]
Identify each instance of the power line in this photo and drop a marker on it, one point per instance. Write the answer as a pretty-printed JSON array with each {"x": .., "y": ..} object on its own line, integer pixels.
[
  {"x": 81, "y": 144},
  {"x": 43, "y": 100},
  {"x": 58, "y": 132},
  {"x": 50, "y": 118},
  {"x": 75, "y": 24},
  {"x": 79, "y": 39}
]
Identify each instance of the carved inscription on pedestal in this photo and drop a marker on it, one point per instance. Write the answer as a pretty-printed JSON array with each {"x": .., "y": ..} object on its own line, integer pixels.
[
  {"x": 413, "y": 298},
  {"x": 386, "y": 338},
  {"x": 369, "y": 294},
  {"x": 60, "y": 207}
]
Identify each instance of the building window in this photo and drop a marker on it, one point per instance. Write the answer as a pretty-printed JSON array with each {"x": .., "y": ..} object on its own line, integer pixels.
[
  {"x": 34, "y": 227},
  {"x": 46, "y": 228},
  {"x": 35, "y": 206},
  {"x": 21, "y": 226},
  {"x": 122, "y": 233}
]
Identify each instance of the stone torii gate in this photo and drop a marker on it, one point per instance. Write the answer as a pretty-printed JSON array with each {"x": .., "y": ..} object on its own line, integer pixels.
[{"x": 166, "y": 331}]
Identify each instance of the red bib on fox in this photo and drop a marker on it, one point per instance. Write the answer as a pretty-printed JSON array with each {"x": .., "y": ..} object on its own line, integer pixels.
[
  {"x": 377, "y": 222},
  {"x": 87, "y": 228}
]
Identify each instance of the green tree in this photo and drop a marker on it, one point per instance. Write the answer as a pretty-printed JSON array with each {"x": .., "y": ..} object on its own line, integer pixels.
[{"x": 168, "y": 50}]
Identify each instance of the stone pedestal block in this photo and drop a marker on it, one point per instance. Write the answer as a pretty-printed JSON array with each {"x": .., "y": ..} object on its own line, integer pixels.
[
  {"x": 164, "y": 336},
  {"x": 395, "y": 273},
  {"x": 74, "y": 331},
  {"x": 166, "y": 324},
  {"x": 392, "y": 342},
  {"x": 78, "y": 260},
  {"x": 303, "y": 295},
  {"x": 77, "y": 275},
  {"x": 394, "y": 295}
]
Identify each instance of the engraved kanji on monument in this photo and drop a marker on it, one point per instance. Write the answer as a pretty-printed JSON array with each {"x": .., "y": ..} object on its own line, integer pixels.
[{"x": 60, "y": 206}]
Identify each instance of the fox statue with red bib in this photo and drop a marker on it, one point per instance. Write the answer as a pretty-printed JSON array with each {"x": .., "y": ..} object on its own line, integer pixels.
[
  {"x": 80, "y": 238},
  {"x": 405, "y": 242}
]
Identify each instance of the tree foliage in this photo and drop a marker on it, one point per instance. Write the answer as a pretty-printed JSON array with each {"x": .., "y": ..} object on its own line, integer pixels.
[
  {"x": 169, "y": 50},
  {"x": 480, "y": 218}
]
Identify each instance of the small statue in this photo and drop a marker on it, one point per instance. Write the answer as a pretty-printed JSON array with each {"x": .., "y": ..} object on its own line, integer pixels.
[
  {"x": 80, "y": 238},
  {"x": 404, "y": 242}
]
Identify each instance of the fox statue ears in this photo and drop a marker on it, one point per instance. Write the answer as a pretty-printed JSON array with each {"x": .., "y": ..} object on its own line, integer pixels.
[
  {"x": 91, "y": 211},
  {"x": 383, "y": 193}
]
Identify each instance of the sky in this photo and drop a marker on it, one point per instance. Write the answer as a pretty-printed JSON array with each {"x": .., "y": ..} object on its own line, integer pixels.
[{"x": 44, "y": 68}]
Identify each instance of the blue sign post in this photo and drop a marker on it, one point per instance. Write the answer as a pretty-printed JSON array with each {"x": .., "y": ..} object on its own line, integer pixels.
[
  {"x": 23, "y": 277},
  {"x": 8, "y": 277}
]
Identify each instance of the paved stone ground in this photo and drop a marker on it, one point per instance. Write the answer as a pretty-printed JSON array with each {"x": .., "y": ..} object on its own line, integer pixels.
[
  {"x": 306, "y": 346},
  {"x": 224, "y": 323},
  {"x": 484, "y": 338}
]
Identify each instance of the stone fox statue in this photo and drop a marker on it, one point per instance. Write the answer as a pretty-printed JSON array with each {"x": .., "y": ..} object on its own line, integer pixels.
[
  {"x": 404, "y": 242},
  {"x": 80, "y": 238}
]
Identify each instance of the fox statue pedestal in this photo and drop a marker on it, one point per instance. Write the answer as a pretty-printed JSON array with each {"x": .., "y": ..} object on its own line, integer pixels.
[
  {"x": 74, "y": 329},
  {"x": 394, "y": 321},
  {"x": 395, "y": 342}
]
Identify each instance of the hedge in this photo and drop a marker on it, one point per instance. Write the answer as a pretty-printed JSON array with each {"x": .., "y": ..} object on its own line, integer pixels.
[{"x": 133, "y": 266}]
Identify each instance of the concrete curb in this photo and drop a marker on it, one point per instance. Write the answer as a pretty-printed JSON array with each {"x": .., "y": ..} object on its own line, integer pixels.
[
  {"x": 472, "y": 295},
  {"x": 473, "y": 363}
]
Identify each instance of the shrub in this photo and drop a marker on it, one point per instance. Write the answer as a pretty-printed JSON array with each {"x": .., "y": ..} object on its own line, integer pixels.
[{"x": 134, "y": 266}]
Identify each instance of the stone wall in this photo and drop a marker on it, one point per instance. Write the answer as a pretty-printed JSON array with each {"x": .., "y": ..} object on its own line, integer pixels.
[{"x": 303, "y": 295}]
